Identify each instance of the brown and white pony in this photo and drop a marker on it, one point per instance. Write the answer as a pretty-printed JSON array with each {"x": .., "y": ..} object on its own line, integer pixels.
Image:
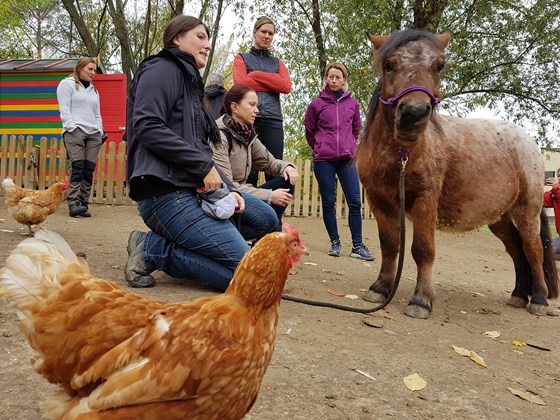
[{"x": 461, "y": 174}]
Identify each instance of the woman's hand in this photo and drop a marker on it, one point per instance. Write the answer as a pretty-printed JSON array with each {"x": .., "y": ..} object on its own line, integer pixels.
[
  {"x": 212, "y": 180},
  {"x": 281, "y": 197},
  {"x": 292, "y": 174},
  {"x": 240, "y": 202}
]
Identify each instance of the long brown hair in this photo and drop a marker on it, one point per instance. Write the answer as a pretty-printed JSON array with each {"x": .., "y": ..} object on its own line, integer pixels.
[{"x": 178, "y": 25}]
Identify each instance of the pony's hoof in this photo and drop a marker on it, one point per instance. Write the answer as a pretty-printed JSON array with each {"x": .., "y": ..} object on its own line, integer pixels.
[
  {"x": 374, "y": 297},
  {"x": 536, "y": 309},
  {"x": 415, "y": 311},
  {"x": 517, "y": 302}
]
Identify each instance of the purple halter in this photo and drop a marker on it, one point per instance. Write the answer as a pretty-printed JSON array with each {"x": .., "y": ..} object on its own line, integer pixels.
[{"x": 391, "y": 101}]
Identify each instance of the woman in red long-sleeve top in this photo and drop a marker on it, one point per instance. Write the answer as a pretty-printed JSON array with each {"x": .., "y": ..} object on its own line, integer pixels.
[
  {"x": 552, "y": 199},
  {"x": 269, "y": 77}
]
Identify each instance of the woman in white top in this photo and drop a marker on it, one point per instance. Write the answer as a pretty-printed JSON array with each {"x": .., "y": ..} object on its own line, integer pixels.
[{"x": 78, "y": 101}]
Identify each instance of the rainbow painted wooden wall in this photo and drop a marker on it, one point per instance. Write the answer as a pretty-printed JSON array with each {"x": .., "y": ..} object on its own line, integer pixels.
[{"x": 28, "y": 104}]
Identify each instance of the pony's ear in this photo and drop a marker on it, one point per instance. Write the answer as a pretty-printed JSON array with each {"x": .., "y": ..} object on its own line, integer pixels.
[
  {"x": 444, "y": 38},
  {"x": 377, "y": 40}
]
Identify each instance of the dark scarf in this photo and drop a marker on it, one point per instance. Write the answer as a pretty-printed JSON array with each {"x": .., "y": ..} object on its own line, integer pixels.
[
  {"x": 260, "y": 53},
  {"x": 193, "y": 77},
  {"x": 247, "y": 132},
  {"x": 85, "y": 83}
]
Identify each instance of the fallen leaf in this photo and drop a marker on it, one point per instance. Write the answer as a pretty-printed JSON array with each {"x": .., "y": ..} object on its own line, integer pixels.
[
  {"x": 462, "y": 351},
  {"x": 361, "y": 372},
  {"x": 309, "y": 263},
  {"x": 414, "y": 382},
  {"x": 492, "y": 334},
  {"x": 527, "y": 396},
  {"x": 519, "y": 343},
  {"x": 336, "y": 293},
  {"x": 470, "y": 354},
  {"x": 477, "y": 359}
]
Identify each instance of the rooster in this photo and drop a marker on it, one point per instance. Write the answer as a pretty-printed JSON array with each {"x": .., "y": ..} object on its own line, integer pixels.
[
  {"x": 118, "y": 355},
  {"x": 31, "y": 207}
]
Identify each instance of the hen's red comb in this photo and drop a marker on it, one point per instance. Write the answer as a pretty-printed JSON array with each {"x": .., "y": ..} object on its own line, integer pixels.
[{"x": 290, "y": 229}]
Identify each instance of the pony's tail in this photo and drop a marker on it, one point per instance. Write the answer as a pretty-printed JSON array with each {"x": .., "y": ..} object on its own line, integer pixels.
[{"x": 549, "y": 260}]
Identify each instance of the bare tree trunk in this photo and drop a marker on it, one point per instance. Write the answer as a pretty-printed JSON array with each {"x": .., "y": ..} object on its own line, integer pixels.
[
  {"x": 129, "y": 65},
  {"x": 318, "y": 33},
  {"x": 215, "y": 31},
  {"x": 80, "y": 24}
]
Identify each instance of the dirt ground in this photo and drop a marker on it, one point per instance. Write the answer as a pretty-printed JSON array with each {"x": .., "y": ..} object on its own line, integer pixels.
[{"x": 329, "y": 364}]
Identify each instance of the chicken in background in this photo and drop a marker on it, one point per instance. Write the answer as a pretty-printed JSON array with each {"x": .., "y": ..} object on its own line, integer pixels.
[
  {"x": 118, "y": 355},
  {"x": 31, "y": 207}
]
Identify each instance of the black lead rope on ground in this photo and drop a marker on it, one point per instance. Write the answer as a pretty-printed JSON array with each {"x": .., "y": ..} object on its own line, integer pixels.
[{"x": 389, "y": 298}]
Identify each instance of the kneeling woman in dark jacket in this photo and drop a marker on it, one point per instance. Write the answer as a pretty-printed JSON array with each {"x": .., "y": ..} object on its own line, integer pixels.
[
  {"x": 240, "y": 150},
  {"x": 169, "y": 133}
]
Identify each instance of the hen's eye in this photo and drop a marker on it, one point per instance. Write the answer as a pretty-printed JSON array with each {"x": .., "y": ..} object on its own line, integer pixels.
[
  {"x": 440, "y": 67},
  {"x": 388, "y": 67}
]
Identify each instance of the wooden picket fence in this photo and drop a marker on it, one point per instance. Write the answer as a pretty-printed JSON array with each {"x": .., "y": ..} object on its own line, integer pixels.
[{"x": 40, "y": 166}]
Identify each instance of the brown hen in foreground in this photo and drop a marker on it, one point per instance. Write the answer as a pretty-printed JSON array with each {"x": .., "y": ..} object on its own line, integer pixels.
[
  {"x": 31, "y": 207},
  {"x": 118, "y": 355}
]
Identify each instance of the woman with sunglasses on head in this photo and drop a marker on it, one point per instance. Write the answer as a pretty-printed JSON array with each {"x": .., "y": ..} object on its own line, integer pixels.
[{"x": 242, "y": 149}]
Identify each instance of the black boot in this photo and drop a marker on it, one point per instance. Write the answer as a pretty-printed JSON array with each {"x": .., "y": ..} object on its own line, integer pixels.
[
  {"x": 75, "y": 209},
  {"x": 86, "y": 213},
  {"x": 135, "y": 271}
]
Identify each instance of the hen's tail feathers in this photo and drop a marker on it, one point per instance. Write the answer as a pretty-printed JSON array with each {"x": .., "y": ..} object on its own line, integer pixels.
[
  {"x": 8, "y": 183},
  {"x": 33, "y": 267}
]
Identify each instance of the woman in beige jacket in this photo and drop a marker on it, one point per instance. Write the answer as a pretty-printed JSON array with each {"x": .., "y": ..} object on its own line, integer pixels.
[{"x": 240, "y": 151}]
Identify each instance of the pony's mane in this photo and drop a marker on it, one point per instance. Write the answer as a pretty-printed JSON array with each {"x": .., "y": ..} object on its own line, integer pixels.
[{"x": 394, "y": 42}]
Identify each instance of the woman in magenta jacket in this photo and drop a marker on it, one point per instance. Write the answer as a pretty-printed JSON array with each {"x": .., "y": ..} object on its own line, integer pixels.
[{"x": 332, "y": 126}]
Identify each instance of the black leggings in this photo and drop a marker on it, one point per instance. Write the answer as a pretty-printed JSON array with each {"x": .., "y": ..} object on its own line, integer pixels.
[{"x": 271, "y": 135}]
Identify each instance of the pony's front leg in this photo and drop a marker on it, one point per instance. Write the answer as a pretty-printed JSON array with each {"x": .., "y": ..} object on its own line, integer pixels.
[
  {"x": 423, "y": 251},
  {"x": 389, "y": 240}
]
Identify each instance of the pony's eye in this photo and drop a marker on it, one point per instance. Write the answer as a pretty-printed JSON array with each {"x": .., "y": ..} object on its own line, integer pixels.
[
  {"x": 440, "y": 67},
  {"x": 388, "y": 67}
]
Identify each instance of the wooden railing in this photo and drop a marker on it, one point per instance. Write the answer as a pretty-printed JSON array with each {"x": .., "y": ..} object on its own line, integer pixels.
[{"x": 40, "y": 166}]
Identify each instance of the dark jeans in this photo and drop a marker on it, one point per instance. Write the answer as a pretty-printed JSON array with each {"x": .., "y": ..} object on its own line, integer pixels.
[
  {"x": 274, "y": 184},
  {"x": 258, "y": 219},
  {"x": 271, "y": 135},
  {"x": 347, "y": 174},
  {"x": 184, "y": 242}
]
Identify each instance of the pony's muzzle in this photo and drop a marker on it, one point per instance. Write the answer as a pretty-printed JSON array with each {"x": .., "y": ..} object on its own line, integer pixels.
[{"x": 412, "y": 115}]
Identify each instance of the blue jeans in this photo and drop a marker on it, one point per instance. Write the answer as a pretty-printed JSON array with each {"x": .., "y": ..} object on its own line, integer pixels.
[
  {"x": 185, "y": 242},
  {"x": 348, "y": 176},
  {"x": 258, "y": 219}
]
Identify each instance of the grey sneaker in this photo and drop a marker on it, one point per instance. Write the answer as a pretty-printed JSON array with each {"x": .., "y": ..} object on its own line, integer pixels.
[
  {"x": 361, "y": 251},
  {"x": 135, "y": 271},
  {"x": 335, "y": 249}
]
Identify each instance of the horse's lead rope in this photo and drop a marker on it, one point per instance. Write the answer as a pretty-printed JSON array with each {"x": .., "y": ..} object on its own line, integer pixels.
[{"x": 404, "y": 160}]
